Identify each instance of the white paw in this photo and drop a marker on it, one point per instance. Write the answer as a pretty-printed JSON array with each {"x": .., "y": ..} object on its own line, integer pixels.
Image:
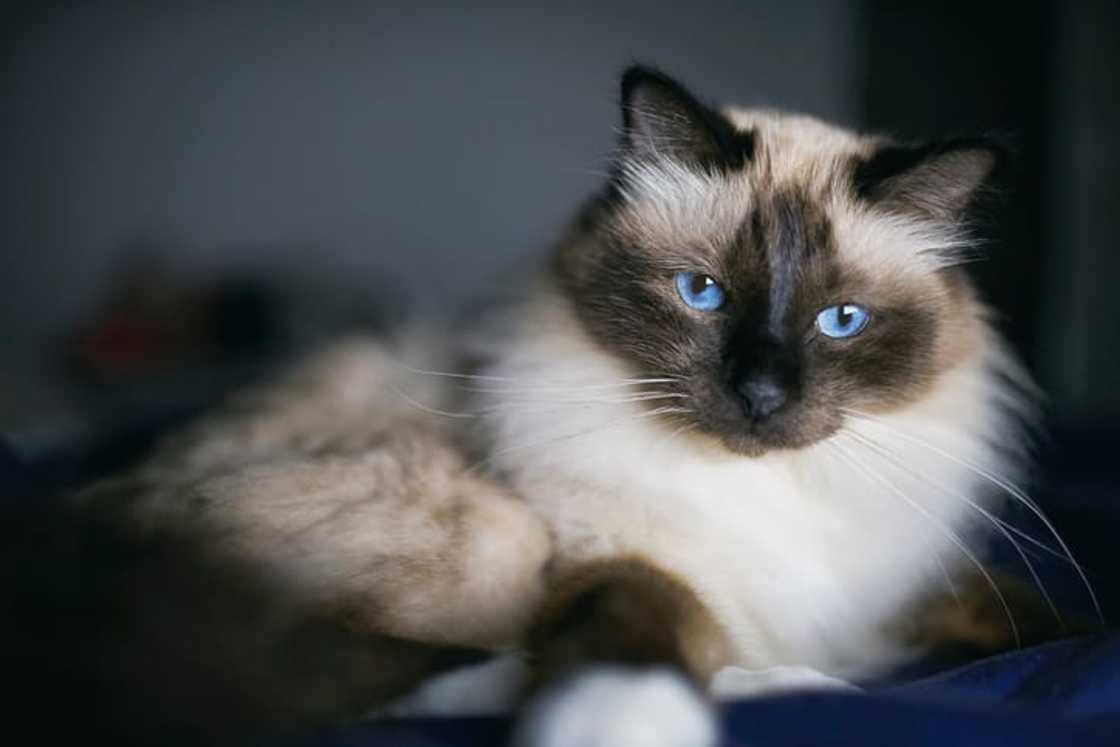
[
  {"x": 616, "y": 707},
  {"x": 490, "y": 688},
  {"x": 731, "y": 683}
]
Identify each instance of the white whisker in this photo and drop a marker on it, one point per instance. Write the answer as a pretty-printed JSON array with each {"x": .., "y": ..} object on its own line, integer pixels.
[
  {"x": 687, "y": 427},
  {"x": 948, "y": 533},
  {"x": 521, "y": 380},
  {"x": 999, "y": 525},
  {"x": 527, "y": 405},
  {"x": 987, "y": 514},
  {"x": 585, "y": 432},
  {"x": 426, "y": 408},
  {"x": 564, "y": 390},
  {"x": 999, "y": 482},
  {"x": 544, "y": 406}
]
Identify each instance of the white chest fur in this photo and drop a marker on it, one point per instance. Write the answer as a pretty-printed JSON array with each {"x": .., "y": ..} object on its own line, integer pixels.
[{"x": 803, "y": 556}]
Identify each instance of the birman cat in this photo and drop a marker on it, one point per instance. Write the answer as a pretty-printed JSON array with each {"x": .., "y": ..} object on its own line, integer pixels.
[{"x": 734, "y": 437}]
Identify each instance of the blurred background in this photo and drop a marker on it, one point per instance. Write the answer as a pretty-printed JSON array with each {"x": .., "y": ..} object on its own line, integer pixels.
[
  {"x": 191, "y": 191},
  {"x": 194, "y": 192}
]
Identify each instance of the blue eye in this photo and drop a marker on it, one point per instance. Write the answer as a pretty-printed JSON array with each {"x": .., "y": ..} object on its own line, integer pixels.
[
  {"x": 842, "y": 320},
  {"x": 699, "y": 291}
]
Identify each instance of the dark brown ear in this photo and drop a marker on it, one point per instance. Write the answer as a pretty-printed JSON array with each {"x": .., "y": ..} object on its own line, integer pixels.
[
  {"x": 661, "y": 119},
  {"x": 938, "y": 180}
]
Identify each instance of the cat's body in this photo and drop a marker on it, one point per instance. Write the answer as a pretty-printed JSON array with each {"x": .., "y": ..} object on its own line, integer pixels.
[
  {"x": 718, "y": 471},
  {"x": 804, "y": 532}
]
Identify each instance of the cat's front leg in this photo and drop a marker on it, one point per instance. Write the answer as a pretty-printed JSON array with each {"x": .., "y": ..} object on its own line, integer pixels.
[{"x": 623, "y": 651}]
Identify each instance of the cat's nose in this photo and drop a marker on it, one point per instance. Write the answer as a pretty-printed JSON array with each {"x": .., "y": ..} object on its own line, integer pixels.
[{"x": 762, "y": 395}]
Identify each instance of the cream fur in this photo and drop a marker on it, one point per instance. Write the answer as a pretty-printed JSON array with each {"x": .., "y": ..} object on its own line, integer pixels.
[{"x": 803, "y": 557}]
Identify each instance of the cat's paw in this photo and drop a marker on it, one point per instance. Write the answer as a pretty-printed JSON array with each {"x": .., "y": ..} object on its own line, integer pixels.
[
  {"x": 731, "y": 683},
  {"x": 616, "y": 707},
  {"x": 487, "y": 689}
]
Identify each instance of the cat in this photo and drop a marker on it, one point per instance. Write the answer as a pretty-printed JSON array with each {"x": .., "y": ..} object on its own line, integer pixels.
[
  {"x": 731, "y": 438},
  {"x": 756, "y": 398}
]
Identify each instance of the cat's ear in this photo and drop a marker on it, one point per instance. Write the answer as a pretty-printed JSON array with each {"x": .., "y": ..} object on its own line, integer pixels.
[
  {"x": 939, "y": 180},
  {"x": 661, "y": 119}
]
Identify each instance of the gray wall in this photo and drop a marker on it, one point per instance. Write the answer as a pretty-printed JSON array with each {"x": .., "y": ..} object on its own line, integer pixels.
[{"x": 424, "y": 146}]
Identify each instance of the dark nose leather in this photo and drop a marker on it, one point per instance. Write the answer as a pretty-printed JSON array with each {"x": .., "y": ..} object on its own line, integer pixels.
[{"x": 762, "y": 395}]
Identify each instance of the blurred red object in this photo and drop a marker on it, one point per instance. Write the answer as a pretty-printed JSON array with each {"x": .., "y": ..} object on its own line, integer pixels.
[{"x": 152, "y": 323}]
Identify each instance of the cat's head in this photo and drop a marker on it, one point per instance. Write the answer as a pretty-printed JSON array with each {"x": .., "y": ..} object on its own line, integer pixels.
[{"x": 780, "y": 269}]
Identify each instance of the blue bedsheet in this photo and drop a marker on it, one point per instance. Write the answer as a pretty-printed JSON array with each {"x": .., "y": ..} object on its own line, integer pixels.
[{"x": 1064, "y": 693}]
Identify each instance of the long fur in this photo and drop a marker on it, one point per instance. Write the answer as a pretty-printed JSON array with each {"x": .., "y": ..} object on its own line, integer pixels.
[
  {"x": 803, "y": 556},
  {"x": 585, "y": 510}
]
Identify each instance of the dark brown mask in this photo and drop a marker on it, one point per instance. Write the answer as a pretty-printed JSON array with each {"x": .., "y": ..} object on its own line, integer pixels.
[{"x": 781, "y": 269}]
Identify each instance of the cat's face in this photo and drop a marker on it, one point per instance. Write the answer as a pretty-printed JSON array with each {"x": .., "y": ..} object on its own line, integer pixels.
[{"x": 779, "y": 270}]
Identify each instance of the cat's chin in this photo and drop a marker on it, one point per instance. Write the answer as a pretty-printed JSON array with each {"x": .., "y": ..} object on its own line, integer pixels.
[
  {"x": 719, "y": 424},
  {"x": 751, "y": 446},
  {"x": 755, "y": 444}
]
